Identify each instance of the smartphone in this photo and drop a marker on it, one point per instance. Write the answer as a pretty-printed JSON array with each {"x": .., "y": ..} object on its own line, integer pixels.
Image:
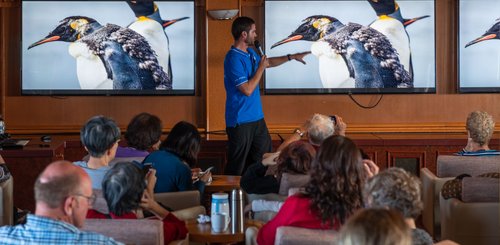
[
  {"x": 334, "y": 119},
  {"x": 207, "y": 171},
  {"x": 146, "y": 167}
]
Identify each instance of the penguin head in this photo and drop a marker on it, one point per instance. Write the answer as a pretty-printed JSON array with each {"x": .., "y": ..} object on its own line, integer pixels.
[
  {"x": 492, "y": 33},
  {"x": 69, "y": 29},
  {"x": 384, "y": 7},
  {"x": 312, "y": 28},
  {"x": 142, "y": 7}
]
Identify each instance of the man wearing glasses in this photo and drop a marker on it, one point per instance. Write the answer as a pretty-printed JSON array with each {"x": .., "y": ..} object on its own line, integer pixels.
[{"x": 63, "y": 194}]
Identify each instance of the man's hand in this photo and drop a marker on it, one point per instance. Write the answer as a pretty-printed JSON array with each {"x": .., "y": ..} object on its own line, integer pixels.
[
  {"x": 300, "y": 56},
  {"x": 340, "y": 126},
  {"x": 264, "y": 62},
  {"x": 370, "y": 167}
]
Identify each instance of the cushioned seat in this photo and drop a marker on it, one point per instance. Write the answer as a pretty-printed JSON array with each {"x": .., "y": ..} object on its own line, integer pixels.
[
  {"x": 287, "y": 235},
  {"x": 448, "y": 167},
  {"x": 128, "y": 231},
  {"x": 7, "y": 202},
  {"x": 476, "y": 218}
]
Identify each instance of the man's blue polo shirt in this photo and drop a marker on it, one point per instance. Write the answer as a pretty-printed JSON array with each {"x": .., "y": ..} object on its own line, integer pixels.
[{"x": 239, "y": 67}]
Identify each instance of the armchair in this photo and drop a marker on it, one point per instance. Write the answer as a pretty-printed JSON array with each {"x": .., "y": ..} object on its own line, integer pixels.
[
  {"x": 448, "y": 167},
  {"x": 7, "y": 202},
  {"x": 474, "y": 219}
]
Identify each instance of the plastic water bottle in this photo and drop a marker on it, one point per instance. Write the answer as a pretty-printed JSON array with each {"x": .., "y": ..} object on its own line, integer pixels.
[
  {"x": 2, "y": 125},
  {"x": 237, "y": 221},
  {"x": 220, "y": 206}
]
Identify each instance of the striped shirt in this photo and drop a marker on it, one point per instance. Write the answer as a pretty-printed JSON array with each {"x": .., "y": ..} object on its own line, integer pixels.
[
  {"x": 43, "y": 230},
  {"x": 463, "y": 152}
]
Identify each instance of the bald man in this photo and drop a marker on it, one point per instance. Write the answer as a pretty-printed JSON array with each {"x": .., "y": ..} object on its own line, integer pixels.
[{"x": 63, "y": 194}]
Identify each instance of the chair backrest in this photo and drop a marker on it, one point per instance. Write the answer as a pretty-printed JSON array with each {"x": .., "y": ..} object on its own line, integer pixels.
[
  {"x": 452, "y": 166},
  {"x": 7, "y": 202},
  {"x": 287, "y": 235},
  {"x": 179, "y": 200},
  {"x": 292, "y": 181},
  {"x": 128, "y": 231}
]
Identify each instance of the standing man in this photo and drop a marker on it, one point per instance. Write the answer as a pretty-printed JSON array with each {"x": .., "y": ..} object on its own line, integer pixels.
[{"x": 248, "y": 137}]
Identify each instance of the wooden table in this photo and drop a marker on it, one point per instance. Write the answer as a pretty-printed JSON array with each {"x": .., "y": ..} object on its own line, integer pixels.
[
  {"x": 203, "y": 232},
  {"x": 223, "y": 183}
]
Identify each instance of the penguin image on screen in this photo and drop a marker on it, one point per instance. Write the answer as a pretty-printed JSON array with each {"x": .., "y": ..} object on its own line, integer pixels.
[
  {"x": 490, "y": 34},
  {"x": 152, "y": 27},
  {"x": 109, "y": 56},
  {"x": 368, "y": 55},
  {"x": 391, "y": 23}
]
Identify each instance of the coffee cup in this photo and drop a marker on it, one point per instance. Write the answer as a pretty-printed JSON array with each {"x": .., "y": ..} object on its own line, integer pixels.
[{"x": 219, "y": 222}]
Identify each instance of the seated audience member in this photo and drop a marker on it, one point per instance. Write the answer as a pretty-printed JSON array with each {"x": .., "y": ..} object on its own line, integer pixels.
[
  {"x": 124, "y": 188},
  {"x": 63, "y": 194},
  {"x": 396, "y": 189},
  {"x": 480, "y": 127},
  {"x": 374, "y": 227},
  {"x": 333, "y": 193},
  {"x": 143, "y": 134},
  {"x": 100, "y": 137},
  {"x": 295, "y": 159},
  {"x": 173, "y": 162},
  {"x": 316, "y": 129}
]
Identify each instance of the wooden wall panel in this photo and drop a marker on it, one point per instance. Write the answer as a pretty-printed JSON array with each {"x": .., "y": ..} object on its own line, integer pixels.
[{"x": 444, "y": 111}]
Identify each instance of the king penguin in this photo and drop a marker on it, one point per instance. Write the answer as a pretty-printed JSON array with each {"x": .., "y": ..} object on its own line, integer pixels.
[
  {"x": 110, "y": 56},
  {"x": 370, "y": 58},
  {"x": 391, "y": 23},
  {"x": 492, "y": 33},
  {"x": 152, "y": 27}
]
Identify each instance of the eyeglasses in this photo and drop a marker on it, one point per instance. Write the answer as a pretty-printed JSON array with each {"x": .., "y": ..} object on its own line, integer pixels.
[{"x": 90, "y": 199}]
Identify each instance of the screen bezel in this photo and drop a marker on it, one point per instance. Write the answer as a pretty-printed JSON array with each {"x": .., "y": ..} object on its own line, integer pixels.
[
  {"x": 323, "y": 91},
  {"x": 111, "y": 92}
]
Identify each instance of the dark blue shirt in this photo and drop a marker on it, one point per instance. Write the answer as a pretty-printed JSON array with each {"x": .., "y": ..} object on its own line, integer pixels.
[
  {"x": 239, "y": 67},
  {"x": 171, "y": 172}
]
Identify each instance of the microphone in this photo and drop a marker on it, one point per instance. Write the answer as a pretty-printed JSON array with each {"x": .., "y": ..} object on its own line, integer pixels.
[{"x": 256, "y": 43}]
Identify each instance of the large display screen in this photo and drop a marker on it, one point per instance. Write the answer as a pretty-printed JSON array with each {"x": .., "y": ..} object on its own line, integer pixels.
[
  {"x": 358, "y": 46},
  {"x": 101, "y": 47},
  {"x": 479, "y": 59}
]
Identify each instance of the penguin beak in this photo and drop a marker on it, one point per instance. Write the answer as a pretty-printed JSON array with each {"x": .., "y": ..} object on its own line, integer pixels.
[
  {"x": 408, "y": 22},
  {"x": 45, "y": 40},
  {"x": 482, "y": 38},
  {"x": 167, "y": 23},
  {"x": 288, "y": 39}
]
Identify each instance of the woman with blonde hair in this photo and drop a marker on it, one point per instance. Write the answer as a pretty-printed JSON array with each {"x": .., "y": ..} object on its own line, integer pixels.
[{"x": 374, "y": 227}]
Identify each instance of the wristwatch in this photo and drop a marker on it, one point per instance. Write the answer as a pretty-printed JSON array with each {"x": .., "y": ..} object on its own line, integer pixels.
[{"x": 297, "y": 131}]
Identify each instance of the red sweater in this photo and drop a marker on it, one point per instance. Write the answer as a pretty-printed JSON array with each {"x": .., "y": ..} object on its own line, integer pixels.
[
  {"x": 173, "y": 228},
  {"x": 294, "y": 212}
]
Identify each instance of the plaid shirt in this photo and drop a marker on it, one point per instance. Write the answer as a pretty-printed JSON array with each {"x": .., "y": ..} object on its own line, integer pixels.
[{"x": 42, "y": 230}]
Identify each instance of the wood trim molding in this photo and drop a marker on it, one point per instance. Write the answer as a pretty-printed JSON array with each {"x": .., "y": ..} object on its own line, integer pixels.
[{"x": 389, "y": 128}]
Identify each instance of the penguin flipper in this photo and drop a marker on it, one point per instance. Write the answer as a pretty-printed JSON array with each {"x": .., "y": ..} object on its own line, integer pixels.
[
  {"x": 364, "y": 66},
  {"x": 122, "y": 68}
]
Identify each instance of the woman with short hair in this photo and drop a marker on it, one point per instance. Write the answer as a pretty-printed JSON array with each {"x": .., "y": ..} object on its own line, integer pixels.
[
  {"x": 397, "y": 189},
  {"x": 127, "y": 195},
  {"x": 100, "y": 136}
]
